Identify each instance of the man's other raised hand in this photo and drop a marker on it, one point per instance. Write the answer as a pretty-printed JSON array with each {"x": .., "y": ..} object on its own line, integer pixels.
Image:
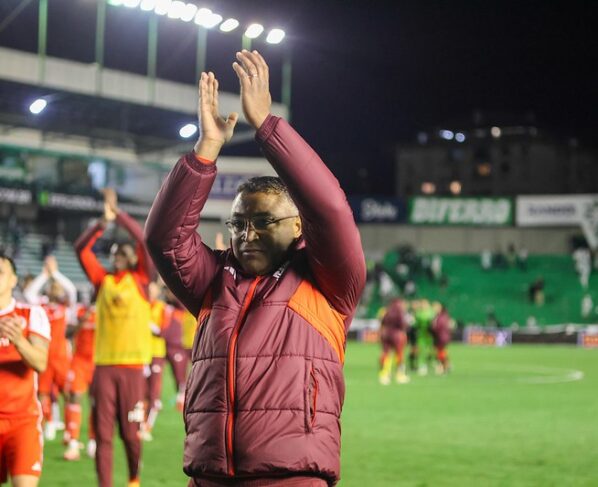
[{"x": 254, "y": 79}]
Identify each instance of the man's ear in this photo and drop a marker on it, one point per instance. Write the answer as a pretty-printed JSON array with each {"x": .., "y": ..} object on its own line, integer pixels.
[
  {"x": 14, "y": 281},
  {"x": 297, "y": 227}
]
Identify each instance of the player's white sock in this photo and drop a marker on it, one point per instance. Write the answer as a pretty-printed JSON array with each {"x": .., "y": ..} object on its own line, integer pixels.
[
  {"x": 58, "y": 425},
  {"x": 91, "y": 448},
  {"x": 50, "y": 431},
  {"x": 72, "y": 452}
]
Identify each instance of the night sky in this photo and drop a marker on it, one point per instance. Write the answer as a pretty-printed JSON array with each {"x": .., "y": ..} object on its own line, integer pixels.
[{"x": 367, "y": 75}]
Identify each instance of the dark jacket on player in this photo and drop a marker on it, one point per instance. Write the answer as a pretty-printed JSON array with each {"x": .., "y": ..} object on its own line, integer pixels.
[{"x": 266, "y": 387}]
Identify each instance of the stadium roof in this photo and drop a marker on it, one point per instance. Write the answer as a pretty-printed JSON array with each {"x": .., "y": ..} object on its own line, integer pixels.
[{"x": 365, "y": 74}]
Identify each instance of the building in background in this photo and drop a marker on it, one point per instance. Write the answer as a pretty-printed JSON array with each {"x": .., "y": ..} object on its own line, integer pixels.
[{"x": 495, "y": 156}]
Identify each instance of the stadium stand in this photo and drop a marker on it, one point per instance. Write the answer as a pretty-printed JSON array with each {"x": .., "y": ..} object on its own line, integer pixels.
[
  {"x": 29, "y": 258},
  {"x": 496, "y": 297}
]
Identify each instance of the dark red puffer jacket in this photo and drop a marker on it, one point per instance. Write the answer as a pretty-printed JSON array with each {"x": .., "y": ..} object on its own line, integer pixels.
[{"x": 266, "y": 388}]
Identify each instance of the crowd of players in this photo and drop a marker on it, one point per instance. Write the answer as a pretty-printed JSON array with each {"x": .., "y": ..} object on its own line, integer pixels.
[
  {"x": 425, "y": 327},
  {"x": 42, "y": 317}
]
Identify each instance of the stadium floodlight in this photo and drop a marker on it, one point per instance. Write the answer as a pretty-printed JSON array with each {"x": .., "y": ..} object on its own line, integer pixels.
[
  {"x": 38, "y": 106},
  {"x": 188, "y": 130},
  {"x": 229, "y": 25},
  {"x": 215, "y": 19},
  {"x": 455, "y": 187},
  {"x": 275, "y": 36},
  {"x": 254, "y": 30},
  {"x": 446, "y": 134},
  {"x": 206, "y": 18},
  {"x": 131, "y": 3},
  {"x": 460, "y": 137},
  {"x": 147, "y": 5},
  {"x": 202, "y": 16},
  {"x": 189, "y": 12},
  {"x": 428, "y": 187},
  {"x": 162, "y": 7},
  {"x": 496, "y": 132},
  {"x": 176, "y": 9}
]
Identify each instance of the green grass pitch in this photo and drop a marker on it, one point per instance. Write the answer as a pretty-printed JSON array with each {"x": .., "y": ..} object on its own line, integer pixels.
[{"x": 518, "y": 416}]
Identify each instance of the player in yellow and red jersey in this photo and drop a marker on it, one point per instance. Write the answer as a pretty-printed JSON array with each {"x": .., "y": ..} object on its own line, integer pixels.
[
  {"x": 122, "y": 339},
  {"x": 24, "y": 342}
]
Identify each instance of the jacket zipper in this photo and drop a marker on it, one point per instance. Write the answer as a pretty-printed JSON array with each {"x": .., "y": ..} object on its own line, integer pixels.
[{"x": 231, "y": 372}]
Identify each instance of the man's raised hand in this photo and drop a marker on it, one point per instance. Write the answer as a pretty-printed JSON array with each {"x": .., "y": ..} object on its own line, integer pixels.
[
  {"x": 110, "y": 204},
  {"x": 253, "y": 74},
  {"x": 214, "y": 129},
  {"x": 50, "y": 265}
]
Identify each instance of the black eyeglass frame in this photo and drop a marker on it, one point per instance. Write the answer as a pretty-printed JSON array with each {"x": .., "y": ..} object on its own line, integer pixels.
[{"x": 261, "y": 227}]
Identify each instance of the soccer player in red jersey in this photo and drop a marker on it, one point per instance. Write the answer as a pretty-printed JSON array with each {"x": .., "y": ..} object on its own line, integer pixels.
[
  {"x": 24, "y": 342},
  {"x": 393, "y": 335},
  {"x": 154, "y": 379},
  {"x": 176, "y": 355},
  {"x": 78, "y": 381},
  {"x": 441, "y": 335},
  {"x": 58, "y": 301}
]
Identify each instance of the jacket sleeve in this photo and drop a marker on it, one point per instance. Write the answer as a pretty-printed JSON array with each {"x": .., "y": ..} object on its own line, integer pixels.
[
  {"x": 88, "y": 260},
  {"x": 331, "y": 237},
  {"x": 185, "y": 263},
  {"x": 144, "y": 269}
]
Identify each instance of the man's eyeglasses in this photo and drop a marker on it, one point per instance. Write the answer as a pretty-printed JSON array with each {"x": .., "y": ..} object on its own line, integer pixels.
[{"x": 258, "y": 223}]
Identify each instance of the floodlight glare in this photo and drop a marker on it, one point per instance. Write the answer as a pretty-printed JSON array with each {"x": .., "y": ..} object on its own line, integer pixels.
[
  {"x": 428, "y": 188},
  {"x": 116, "y": 3},
  {"x": 213, "y": 21},
  {"x": 229, "y": 25},
  {"x": 38, "y": 106},
  {"x": 206, "y": 18},
  {"x": 188, "y": 130},
  {"x": 460, "y": 137},
  {"x": 131, "y": 3},
  {"x": 147, "y": 5},
  {"x": 189, "y": 12},
  {"x": 202, "y": 16},
  {"x": 446, "y": 134},
  {"x": 162, "y": 7},
  {"x": 275, "y": 36},
  {"x": 254, "y": 30},
  {"x": 455, "y": 187},
  {"x": 176, "y": 9}
]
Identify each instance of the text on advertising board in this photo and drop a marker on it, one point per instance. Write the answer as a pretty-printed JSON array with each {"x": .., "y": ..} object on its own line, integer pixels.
[{"x": 461, "y": 211}]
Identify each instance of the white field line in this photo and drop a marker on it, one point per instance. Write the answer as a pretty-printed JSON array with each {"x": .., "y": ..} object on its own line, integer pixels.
[
  {"x": 543, "y": 375},
  {"x": 540, "y": 374}
]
